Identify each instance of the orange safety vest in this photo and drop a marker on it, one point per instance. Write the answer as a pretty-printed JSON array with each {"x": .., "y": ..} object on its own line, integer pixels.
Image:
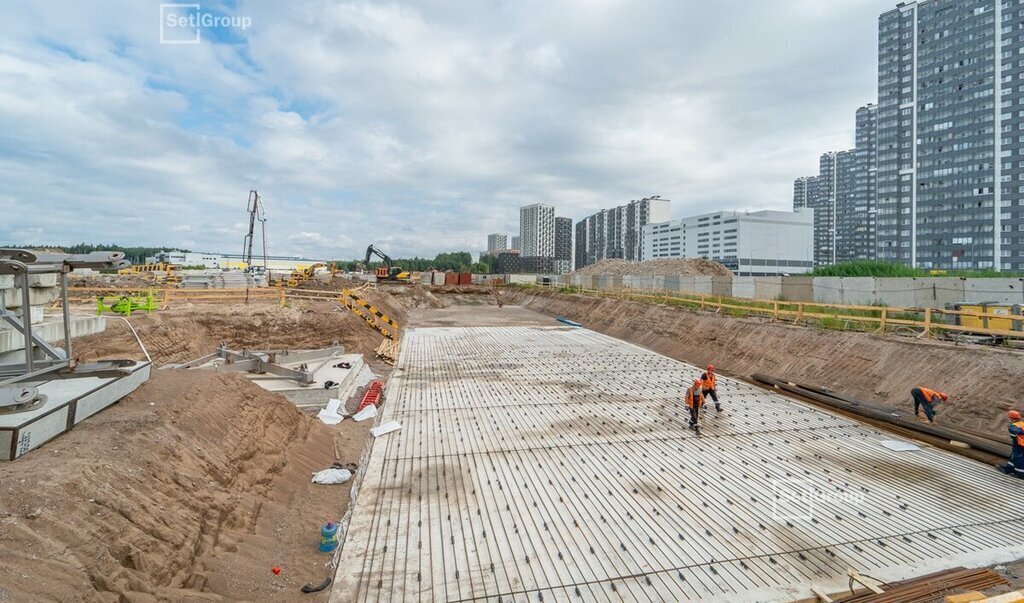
[
  {"x": 931, "y": 394},
  {"x": 1020, "y": 438},
  {"x": 709, "y": 380},
  {"x": 694, "y": 394}
]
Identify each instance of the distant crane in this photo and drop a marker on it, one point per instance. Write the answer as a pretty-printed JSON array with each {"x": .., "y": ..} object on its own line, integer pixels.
[{"x": 256, "y": 213}]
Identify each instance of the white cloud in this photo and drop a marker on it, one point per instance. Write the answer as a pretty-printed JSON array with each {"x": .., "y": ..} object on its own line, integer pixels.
[{"x": 420, "y": 127}]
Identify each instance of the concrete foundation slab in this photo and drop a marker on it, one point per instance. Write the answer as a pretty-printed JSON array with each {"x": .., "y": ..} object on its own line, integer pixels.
[
  {"x": 316, "y": 395},
  {"x": 69, "y": 402},
  {"x": 554, "y": 463}
]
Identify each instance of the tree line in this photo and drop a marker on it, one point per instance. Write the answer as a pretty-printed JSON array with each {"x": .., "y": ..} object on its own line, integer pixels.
[{"x": 457, "y": 261}]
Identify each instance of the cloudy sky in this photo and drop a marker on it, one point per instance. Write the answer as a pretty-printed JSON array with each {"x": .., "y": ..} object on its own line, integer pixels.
[{"x": 419, "y": 127}]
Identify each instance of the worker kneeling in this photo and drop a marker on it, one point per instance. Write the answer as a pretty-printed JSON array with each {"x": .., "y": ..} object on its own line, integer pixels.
[
  {"x": 694, "y": 401},
  {"x": 1016, "y": 464},
  {"x": 927, "y": 399}
]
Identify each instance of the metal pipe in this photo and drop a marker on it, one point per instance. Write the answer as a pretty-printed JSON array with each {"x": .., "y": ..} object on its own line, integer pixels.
[
  {"x": 26, "y": 319},
  {"x": 67, "y": 317},
  {"x": 865, "y": 410}
]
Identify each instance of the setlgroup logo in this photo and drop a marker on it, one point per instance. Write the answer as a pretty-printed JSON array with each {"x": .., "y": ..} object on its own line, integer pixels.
[{"x": 184, "y": 23}]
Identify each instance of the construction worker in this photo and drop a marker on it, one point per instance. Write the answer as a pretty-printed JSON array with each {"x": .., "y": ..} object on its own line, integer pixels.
[
  {"x": 927, "y": 399},
  {"x": 1016, "y": 464},
  {"x": 694, "y": 400},
  {"x": 709, "y": 386}
]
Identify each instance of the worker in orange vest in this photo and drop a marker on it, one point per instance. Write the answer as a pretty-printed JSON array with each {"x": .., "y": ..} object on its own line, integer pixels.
[
  {"x": 709, "y": 385},
  {"x": 694, "y": 400},
  {"x": 1016, "y": 464},
  {"x": 927, "y": 399}
]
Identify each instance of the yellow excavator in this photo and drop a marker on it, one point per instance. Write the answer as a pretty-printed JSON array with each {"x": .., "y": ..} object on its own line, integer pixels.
[{"x": 387, "y": 272}]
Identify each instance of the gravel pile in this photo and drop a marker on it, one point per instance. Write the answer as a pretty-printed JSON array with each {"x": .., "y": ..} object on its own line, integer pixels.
[{"x": 662, "y": 267}]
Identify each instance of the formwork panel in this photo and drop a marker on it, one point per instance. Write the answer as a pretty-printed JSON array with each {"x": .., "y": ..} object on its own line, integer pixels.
[{"x": 541, "y": 463}]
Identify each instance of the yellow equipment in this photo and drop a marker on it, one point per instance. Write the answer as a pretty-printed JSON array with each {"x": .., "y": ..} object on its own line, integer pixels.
[
  {"x": 388, "y": 272},
  {"x": 161, "y": 271},
  {"x": 298, "y": 276},
  {"x": 1011, "y": 323}
]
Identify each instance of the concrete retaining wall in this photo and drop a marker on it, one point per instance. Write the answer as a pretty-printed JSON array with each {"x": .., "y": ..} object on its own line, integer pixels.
[{"x": 933, "y": 292}]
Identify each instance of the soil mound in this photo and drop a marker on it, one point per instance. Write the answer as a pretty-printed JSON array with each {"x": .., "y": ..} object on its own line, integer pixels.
[
  {"x": 660, "y": 267},
  {"x": 192, "y": 488}
]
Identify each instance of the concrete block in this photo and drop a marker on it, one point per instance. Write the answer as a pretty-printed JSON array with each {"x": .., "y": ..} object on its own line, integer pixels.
[
  {"x": 686, "y": 284},
  {"x": 658, "y": 282},
  {"x": 797, "y": 288},
  {"x": 42, "y": 280},
  {"x": 721, "y": 285},
  {"x": 36, "y": 296},
  {"x": 35, "y": 312},
  {"x": 860, "y": 291},
  {"x": 52, "y": 330},
  {"x": 672, "y": 283},
  {"x": 743, "y": 287},
  {"x": 998, "y": 290},
  {"x": 7, "y": 281},
  {"x": 827, "y": 289},
  {"x": 702, "y": 285},
  {"x": 768, "y": 287}
]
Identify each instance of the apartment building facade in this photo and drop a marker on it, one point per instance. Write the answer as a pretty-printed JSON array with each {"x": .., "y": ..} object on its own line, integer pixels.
[
  {"x": 758, "y": 243},
  {"x": 618, "y": 232}
]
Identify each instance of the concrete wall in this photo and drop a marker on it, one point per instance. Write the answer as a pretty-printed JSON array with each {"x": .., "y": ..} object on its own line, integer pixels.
[{"x": 934, "y": 292}]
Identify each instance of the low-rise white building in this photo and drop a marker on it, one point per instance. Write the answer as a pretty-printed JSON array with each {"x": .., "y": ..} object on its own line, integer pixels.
[{"x": 759, "y": 243}]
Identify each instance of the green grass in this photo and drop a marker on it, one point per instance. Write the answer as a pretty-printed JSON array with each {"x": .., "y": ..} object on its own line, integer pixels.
[
  {"x": 867, "y": 268},
  {"x": 879, "y": 268}
]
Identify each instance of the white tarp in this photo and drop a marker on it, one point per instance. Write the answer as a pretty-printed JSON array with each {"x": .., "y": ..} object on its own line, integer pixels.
[
  {"x": 330, "y": 415},
  {"x": 332, "y": 476},
  {"x": 367, "y": 413}
]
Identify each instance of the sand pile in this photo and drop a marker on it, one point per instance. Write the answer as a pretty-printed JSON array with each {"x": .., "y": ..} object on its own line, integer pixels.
[
  {"x": 187, "y": 331},
  {"x": 192, "y": 488},
  {"x": 660, "y": 267}
]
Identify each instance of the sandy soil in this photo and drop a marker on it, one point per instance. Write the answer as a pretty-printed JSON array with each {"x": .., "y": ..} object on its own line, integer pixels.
[
  {"x": 983, "y": 382},
  {"x": 190, "y": 489},
  {"x": 187, "y": 331},
  {"x": 659, "y": 267}
]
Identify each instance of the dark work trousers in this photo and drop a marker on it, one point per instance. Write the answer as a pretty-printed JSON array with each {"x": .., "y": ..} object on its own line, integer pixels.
[
  {"x": 713, "y": 393},
  {"x": 921, "y": 401},
  {"x": 694, "y": 414}
]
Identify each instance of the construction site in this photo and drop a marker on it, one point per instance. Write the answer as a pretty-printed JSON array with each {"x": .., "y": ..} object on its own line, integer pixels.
[{"x": 402, "y": 437}]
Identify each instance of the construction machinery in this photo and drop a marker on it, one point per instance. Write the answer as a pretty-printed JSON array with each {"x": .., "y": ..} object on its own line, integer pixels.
[
  {"x": 257, "y": 213},
  {"x": 387, "y": 272},
  {"x": 298, "y": 276},
  {"x": 159, "y": 272}
]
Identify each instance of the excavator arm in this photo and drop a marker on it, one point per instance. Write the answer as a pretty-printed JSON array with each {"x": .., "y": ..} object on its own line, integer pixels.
[{"x": 371, "y": 251}]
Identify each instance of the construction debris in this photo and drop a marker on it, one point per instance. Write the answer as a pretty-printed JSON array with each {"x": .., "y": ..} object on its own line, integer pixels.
[
  {"x": 660, "y": 267},
  {"x": 928, "y": 588}
]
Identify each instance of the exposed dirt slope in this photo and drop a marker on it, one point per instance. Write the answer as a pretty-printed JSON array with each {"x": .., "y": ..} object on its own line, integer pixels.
[
  {"x": 192, "y": 488},
  {"x": 983, "y": 382},
  {"x": 187, "y": 331}
]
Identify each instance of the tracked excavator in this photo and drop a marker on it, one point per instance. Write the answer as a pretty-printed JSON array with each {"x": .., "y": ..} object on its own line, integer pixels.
[{"x": 387, "y": 272}]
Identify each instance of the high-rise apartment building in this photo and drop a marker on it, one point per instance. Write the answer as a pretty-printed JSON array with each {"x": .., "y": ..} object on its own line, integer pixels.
[
  {"x": 537, "y": 230},
  {"x": 496, "y": 242},
  {"x": 950, "y": 133},
  {"x": 563, "y": 245},
  {"x": 516, "y": 243},
  {"x": 618, "y": 232},
  {"x": 842, "y": 196}
]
